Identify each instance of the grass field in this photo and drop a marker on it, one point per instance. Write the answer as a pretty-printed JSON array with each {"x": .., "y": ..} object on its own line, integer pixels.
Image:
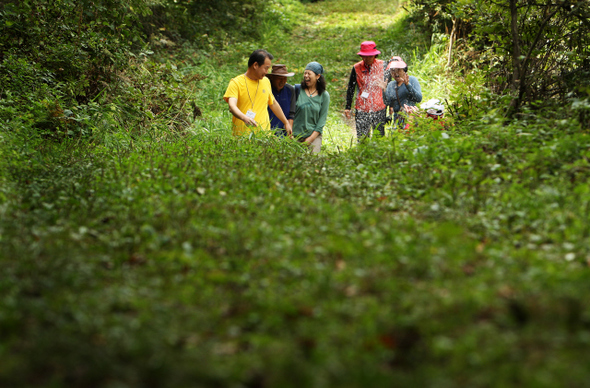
[{"x": 434, "y": 258}]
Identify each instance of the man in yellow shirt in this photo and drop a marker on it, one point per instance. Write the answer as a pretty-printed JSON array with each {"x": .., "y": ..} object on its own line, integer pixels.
[{"x": 249, "y": 95}]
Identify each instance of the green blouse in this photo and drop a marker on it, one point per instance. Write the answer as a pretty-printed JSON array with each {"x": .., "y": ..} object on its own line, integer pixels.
[{"x": 311, "y": 114}]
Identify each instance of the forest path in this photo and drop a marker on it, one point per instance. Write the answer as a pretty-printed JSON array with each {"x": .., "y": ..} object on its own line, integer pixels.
[{"x": 331, "y": 34}]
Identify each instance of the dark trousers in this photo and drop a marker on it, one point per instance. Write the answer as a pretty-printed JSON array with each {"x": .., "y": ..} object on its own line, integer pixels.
[{"x": 365, "y": 121}]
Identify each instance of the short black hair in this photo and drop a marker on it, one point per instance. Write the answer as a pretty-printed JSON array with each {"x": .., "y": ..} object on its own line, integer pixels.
[{"x": 259, "y": 56}]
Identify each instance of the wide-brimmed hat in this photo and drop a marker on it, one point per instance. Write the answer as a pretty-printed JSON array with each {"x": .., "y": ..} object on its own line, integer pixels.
[
  {"x": 280, "y": 70},
  {"x": 368, "y": 49},
  {"x": 396, "y": 63}
]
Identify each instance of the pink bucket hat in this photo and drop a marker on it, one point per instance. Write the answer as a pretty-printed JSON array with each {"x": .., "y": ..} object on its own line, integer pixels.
[
  {"x": 368, "y": 49},
  {"x": 396, "y": 63}
]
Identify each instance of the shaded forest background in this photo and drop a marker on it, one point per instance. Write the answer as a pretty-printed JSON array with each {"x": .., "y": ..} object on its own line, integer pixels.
[{"x": 63, "y": 60}]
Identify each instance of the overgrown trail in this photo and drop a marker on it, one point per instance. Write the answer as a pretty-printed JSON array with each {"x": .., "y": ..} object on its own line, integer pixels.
[
  {"x": 331, "y": 33},
  {"x": 430, "y": 259}
]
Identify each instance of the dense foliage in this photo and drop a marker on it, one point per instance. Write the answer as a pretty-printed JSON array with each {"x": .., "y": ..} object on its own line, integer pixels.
[
  {"x": 435, "y": 259},
  {"x": 142, "y": 245},
  {"x": 536, "y": 52},
  {"x": 219, "y": 22},
  {"x": 66, "y": 48},
  {"x": 72, "y": 63}
]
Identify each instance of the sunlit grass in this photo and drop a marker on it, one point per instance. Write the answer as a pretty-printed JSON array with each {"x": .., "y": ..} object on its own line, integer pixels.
[
  {"x": 330, "y": 32},
  {"x": 359, "y": 7}
]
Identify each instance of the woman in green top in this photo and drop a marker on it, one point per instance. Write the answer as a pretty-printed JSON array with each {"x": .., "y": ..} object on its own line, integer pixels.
[{"x": 312, "y": 107}]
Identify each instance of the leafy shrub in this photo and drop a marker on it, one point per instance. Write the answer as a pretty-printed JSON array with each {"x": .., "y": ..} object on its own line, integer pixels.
[
  {"x": 428, "y": 258},
  {"x": 77, "y": 44},
  {"x": 532, "y": 52},
  {"x": 401, "y": 257},
  {"x": 221, "y": 22}
]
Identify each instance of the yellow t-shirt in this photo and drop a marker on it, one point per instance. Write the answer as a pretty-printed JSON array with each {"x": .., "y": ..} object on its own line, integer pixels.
[{"x": 251, "y": 95}]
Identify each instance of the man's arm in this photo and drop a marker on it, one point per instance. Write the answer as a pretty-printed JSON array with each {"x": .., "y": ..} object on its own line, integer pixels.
[
  {"x": 350, "y": 92},
  {"x": 276, "y": 109},
  {"x": 233, "y": 108}
]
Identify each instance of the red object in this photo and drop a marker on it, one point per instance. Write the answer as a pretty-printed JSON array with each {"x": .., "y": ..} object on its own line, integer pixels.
[
  {"x": 368, "y": 49},
  {"x": 368, "y": 81}
]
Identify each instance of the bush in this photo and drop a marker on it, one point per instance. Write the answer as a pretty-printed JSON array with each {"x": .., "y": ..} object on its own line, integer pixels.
[
  {"x": 201, "y": 22},
  {"x": 75, "y": 45},
  {"x": 532, "y": 52}
]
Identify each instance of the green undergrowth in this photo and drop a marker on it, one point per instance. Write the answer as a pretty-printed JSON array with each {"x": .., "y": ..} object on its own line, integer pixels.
[
  {"x": 431, "y": 259},
  {"x": 148, "y": 247}
]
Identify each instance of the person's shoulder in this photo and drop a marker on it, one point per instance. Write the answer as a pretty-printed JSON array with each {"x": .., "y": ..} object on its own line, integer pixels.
[
  {"x": 290, "y": 87},
  {"x": 238, "y": 79}
]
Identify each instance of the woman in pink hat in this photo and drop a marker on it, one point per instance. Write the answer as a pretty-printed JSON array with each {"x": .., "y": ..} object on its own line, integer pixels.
[
  {"x": 368, "y": 79},
  {"x": 403, "y": 92}
]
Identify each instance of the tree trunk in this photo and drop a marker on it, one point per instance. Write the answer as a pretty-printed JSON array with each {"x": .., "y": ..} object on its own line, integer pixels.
[
  {"x": 515, "y": 85},
  {"x": 451, "y": 41}
]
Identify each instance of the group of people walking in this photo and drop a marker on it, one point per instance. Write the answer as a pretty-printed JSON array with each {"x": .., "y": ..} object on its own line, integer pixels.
[
  {"x": 379, "y": 84},
  {"x": 262, "y": 100}
]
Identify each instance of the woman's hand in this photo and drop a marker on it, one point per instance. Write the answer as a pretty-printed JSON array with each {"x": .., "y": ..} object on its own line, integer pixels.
[
  {"x": 411, "y": 109},
  {"x": 311, "y": 138},
  {"x": 405, "y": 77}
]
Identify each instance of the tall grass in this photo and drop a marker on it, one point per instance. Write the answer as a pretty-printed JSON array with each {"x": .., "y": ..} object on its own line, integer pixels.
[{"x": 169, "y": 255}]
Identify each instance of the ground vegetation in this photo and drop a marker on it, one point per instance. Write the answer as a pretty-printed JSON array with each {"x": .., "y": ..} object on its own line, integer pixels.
[{"x": 142, "y": 245}]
